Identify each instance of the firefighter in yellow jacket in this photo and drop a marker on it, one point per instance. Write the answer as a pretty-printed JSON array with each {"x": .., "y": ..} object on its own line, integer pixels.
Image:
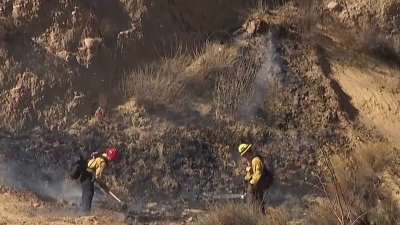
[
  {"x": 94, "y": 171},
  {"x": 257, "y": 176}
]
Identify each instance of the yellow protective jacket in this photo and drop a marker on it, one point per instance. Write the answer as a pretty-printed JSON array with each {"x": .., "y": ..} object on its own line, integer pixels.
[
  {"x": 254, "y": 170},
  {"x": 97, "y": 166}
]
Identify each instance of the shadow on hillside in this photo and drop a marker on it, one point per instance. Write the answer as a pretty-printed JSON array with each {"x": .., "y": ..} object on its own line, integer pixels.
[
  {"x": 111, "y": 15},
  {"x": 344, "y": 98}
]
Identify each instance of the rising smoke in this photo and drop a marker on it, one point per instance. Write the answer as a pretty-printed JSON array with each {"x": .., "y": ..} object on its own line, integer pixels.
[
  {"x": 265, "y": 79},
  {"x": 46, "y": 184}
]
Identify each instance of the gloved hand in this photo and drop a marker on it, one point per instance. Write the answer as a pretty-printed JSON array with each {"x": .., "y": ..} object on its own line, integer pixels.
[
  {"x": 248, "y": 174},
  {"x": 243, "y": 196},
  {"x": 248, "y": 168}
]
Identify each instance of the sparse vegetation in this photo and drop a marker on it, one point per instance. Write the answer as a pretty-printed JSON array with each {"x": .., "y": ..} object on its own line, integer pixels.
[
  {"x": 221, "y": 72},
  {"x": 159, "y": 83},
  {"x": 173, "y": 112},
  {"x": 235, "y": 86},
  {"x": 241, "y": 214},
  {"x": 352, "y": 190},
  {"x": 256, "y": 9},
  {"x": 350, "y": 194},
  {"x": 382, "y": 46},
  {"x": 6, "y": 27}
]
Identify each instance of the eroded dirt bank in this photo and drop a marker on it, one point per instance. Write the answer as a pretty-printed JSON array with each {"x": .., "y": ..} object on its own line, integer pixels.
[{"x": 177, "y": 85}]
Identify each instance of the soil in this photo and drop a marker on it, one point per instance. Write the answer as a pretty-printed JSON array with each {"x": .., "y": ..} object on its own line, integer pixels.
[{"x": 63, "y": 65}]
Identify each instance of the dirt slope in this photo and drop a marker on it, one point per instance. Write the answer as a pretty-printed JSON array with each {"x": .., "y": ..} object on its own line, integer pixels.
[
  {"x": 292, "y": 83},
  {"x": 64, "y": 63},
  {"x": 376, "y": 94},
  {"x": 371, "y": 81},
  {"x": 18, "y": 208}
]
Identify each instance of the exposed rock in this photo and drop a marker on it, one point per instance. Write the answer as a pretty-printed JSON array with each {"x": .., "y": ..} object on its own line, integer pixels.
[
  {"x": 254, "y": 26},
  {"x": 79, "y": 106},
  {"x": 334, "y": 6},
  {"x": 91, "y": 43},
  {"x": 152, "y": 205}
]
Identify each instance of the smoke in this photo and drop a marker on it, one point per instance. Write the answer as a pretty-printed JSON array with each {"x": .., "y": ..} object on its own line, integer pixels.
[
  {"x": 265, "y": 79},
  {"x": 46, "y": 184}
]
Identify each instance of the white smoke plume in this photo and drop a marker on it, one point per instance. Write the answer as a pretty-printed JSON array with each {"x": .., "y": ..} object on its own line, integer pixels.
[
  {"x": 46, "y": 184},
  {"x": 266, "y": 77}
]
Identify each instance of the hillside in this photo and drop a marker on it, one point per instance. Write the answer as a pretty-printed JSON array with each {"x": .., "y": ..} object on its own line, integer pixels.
[{"x": 178, "y": 85}]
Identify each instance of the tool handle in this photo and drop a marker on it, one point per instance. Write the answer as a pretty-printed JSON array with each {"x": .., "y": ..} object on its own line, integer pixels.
[
  {"x": 115, "y": 197},
  {"x": 110, "y": 193}
]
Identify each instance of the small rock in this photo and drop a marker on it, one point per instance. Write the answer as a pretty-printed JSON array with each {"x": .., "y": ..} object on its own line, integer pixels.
[
  {"x": 334, "y": 6},
  {"x": 167, "y": 208},
  {"x": 195, "y": 211},
  {"x": 64, "y": 55},
  {"x": 151, "y": 205},
  {"x": 146, "y": 211},
  {"x": 78, "y": 59},
  {"x": 251, "y": 27},
  {"x": 90, "y": 43}
]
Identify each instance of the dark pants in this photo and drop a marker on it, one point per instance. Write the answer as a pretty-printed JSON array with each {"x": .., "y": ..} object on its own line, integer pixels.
[
  {"x": 87, "y": 192},
  {"x": 255, "y": 196}
]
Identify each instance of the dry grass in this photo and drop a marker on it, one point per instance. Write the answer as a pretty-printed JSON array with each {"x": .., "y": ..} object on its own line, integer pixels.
[
  {"x": 380, "y": 45},
  {"x": 240, "y": 214},
  {"x": 352, "y": 189},
  {"x": 306, "y": 25},
  {"x": 175, "y": 77},
  {"x": 260, "y": 8},
  {"x": 6, "y": 27},
  {"x": 235, "y": 86},
  {"x": 222, "y": 76},
  {"x": 213, "y": 73},
  {"x": 212, "y": 56},
  {"x": 159, "y": 83},
  {"x": 204, "y": 72},
  {"x": 351, "y": 195},
  {"x": 256, "y": 9}
]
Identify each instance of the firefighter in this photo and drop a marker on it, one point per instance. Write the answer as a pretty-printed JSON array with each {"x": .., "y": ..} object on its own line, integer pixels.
[
  {"x": 258, "y": 177},
  {"x": 93, "y": 173}
]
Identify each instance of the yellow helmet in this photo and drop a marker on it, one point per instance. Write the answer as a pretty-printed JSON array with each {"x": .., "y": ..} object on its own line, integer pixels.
[{"x": 243, "y": 148}]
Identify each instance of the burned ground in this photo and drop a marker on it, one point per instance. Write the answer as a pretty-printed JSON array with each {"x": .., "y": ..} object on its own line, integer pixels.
[{"x": 288, "y": 82}]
